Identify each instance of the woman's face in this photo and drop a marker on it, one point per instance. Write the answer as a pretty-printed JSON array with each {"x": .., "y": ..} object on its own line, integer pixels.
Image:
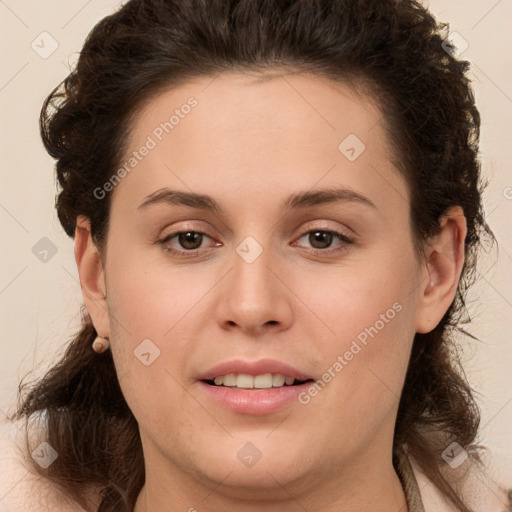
[{"x": 261, "y": 285}]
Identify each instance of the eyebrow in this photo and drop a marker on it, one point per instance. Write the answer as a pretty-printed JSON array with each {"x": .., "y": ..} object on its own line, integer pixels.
[{"x": 297, "y": 201}]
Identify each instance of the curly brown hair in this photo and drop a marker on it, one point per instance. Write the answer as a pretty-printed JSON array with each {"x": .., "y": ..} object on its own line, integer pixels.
[{"x": 394, "y": 51}]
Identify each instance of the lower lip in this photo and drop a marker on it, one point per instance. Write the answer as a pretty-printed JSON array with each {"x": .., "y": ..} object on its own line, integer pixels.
[{"x": 253, "y": 401}]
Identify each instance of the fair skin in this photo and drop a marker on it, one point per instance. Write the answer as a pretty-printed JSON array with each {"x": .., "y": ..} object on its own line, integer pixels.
[{"x": 250, "y": 146}]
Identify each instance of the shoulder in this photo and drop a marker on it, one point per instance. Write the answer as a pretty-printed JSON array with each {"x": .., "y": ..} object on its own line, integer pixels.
[
  {"x": 480, "y": 488},
  {"x": 22, "y": 490}
]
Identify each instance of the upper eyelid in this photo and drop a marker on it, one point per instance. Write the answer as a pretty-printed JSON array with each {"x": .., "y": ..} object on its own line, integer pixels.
[
  {"x": 310, "y": 226},
  {"x": 314, "y": 225}
]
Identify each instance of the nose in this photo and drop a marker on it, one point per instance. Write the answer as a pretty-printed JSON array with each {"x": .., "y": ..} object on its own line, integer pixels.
[{"x": 255, "y": 296}]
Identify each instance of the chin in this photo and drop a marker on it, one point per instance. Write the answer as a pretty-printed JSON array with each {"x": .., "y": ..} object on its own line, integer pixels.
[
  {"x": 264, "y": 481},
  {"x": 254, "y": 466}
]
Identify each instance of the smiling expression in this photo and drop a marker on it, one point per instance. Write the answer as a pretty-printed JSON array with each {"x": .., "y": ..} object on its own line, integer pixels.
[{"x": 261, "y": 236}]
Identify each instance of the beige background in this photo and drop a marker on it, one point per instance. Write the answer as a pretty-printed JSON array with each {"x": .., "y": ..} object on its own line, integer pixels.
[{"x": 40, "y": 301}]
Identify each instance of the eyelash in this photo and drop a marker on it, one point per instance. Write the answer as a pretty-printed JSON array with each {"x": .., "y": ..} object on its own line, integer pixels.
[{"x": 318, "y": 252}]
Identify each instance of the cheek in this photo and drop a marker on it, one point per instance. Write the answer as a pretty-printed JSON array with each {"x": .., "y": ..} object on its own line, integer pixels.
[
  {"x": 146, "y": 317},
  {"x": 370, "y": 314},
  {"x": 150, "y": 298},
  {"x": 362, "y": 378},
  {"x": 347, "y": 300}
]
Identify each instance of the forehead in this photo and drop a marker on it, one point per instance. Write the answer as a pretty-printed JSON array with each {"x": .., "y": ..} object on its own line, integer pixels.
[
  {"x": 251, "y": 131},
  {"x": 265, "y": 103}
]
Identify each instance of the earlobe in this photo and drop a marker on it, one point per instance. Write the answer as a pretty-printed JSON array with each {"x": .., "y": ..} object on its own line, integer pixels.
[
  {"x": 444, "y": 261},
  {"x": 92, "y": 276}
]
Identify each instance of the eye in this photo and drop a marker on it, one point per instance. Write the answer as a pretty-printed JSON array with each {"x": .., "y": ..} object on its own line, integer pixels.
[
  {"x": 321, "y": 240},
  {"x": 190, "y": 240}
]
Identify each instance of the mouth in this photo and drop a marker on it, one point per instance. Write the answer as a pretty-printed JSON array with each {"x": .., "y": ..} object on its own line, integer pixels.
[
  {"x": 255, "y": 382},
  {"x": 260, "y": 387}
]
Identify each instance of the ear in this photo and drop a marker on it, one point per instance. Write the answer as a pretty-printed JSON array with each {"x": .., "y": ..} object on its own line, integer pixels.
[
  {"x": 91, "y": 273},
  {"x": 442, "y": 267}
]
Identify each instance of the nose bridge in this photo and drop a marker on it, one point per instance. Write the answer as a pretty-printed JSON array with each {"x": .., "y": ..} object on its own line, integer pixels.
[
  {"x": 252, "y": 280},
  {"x": 252, "y": 295}
]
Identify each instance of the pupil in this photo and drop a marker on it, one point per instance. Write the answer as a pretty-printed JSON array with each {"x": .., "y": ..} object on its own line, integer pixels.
[
  {"x": 190, "y": 237},
  {"x": 322, "y": 236}
]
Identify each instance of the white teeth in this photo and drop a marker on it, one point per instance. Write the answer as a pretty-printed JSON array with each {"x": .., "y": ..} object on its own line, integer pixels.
[
  {"x": 263, "y": 381},
  {"x": 229, "y": 380},
  {"x": 278, "y": 380},
  {"x": 244, "y": 381}
]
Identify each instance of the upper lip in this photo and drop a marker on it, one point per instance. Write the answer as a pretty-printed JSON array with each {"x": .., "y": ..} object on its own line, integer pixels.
[{"x": 253, "y": 368}]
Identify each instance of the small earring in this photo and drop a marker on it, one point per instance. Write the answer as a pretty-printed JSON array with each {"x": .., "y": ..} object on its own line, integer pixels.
[{"x": 100, "y": 344}]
